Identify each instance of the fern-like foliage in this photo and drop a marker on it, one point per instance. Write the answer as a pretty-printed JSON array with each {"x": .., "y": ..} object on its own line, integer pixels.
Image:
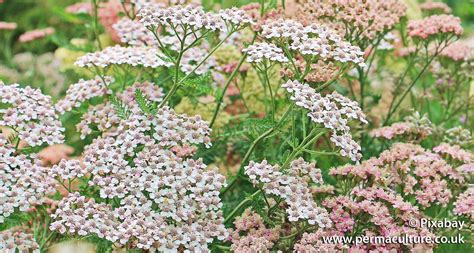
[
  {"x": 148, "y": 107},
  {"x": 122, "y": 110},
  {"x": 249, "y": 127}
]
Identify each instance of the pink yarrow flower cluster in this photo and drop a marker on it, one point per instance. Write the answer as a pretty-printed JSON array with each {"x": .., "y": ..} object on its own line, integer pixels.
[
  {"x": 251, "y": 234},
  {"x": 313, "y": 242},
  {"x": 435, "y": 25},
  {"x": 7, "y": 26},
  {"x": 415, "y": 127},
  {"x": 293, "y": 188},
  {"x": 361, "y": 18},
  {"x": 455, "y": 152},
  {"x": 36, "y": 34},
  {"x": 334, "y": 111},
  {"x": 386, "y": 211},
  {"x": 134, "y": 56},
  {"x": 420, "y": 173},
  {"x": 390, "y": 132},
  {"x": 30, "y": 113},
  {"x": 460, "y": 51},
  {"x": 464, "y": 204},
  {"x": 435, "y": 6}
]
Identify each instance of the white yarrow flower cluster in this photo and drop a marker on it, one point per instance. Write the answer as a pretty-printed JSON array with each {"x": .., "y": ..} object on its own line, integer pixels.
[
  {"x": 194, "y": 17},
  {"x": 235, "y": 16},
  {"x": 134, "y": 56},
  {"x": 23, "y": 183},
  {"x": 315, "y": 40},
  {"x": 293, "y": 188},
  {"x": 104, "y": 116},
  {"x": 136, "y": 158},
  {"x": 67, "y": 170},
  {"x": 82, "y": 91},
  {"x": 194, "y": 56},
  {"x": 263, "y": 51},
  {"x": 134, "y": 33},
  {"x": 17, "y": 240},
  {"x": 30, "y": 113},
  {"x": 334, "y": 111}
]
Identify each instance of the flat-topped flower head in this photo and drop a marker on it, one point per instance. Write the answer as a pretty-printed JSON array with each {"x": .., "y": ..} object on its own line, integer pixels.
[
  {"x": 139, "y": 157},
  {"x": 36, "y": 34},
  {"x": 194, "y": 17},
  {"x": 455, "y": 152},
  {"x": 7, "y": 26},
  {"x": 236, "y": 16},
  {"x": 436, "y": 25},
  {"x": 251, "y": 234},
  {"x": 82, "y": 91},
  {"x": 292, "y": 187},
  {"x": 68, "y": 170},
  {"x": 435, "y": 7},
  {"x": 31, "y": 114},
  {"x": 262, "y": 51},
  {"x": 464, "y": 204},
  {"x": 138, "y": 160},
  {"x": 416, "y": 171},
  {"x": 365, "y": 19},
  {"x": 390, "y": 132},
  {"x": 105, "y": 117},
  {"x": 313, "y": 40},
  {"x": 459, "y": 51},
  {"x": 23, "y": 183},
  {"x": 17, "y": 239},
  {"x": 134, "y": 33},
  {"x": 135, "y": 56},
  {"x": 415, "y": 128},
  {"x": 386, "y": 211},
  {"x": 333, "y": 111}
]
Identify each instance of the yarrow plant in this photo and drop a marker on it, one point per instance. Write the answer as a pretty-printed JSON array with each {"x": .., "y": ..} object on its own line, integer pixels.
[{"x": 183, "y": 126}]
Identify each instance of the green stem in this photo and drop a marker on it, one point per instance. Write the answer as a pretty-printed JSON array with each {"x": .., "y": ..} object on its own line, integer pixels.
[
  {"x": 178, "y": 61},
  {"x": 240, "y": 205},
  {"x": 404, "y": 94},
  {"x": 332, "y": 80},
  {"x": 311, "y": 138},
  {"x": 272, "y": 97},
  {"x": 96, "y": 23},
  {"x": 226, "y": 85},
  {"x": 207, "y": 56}
]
